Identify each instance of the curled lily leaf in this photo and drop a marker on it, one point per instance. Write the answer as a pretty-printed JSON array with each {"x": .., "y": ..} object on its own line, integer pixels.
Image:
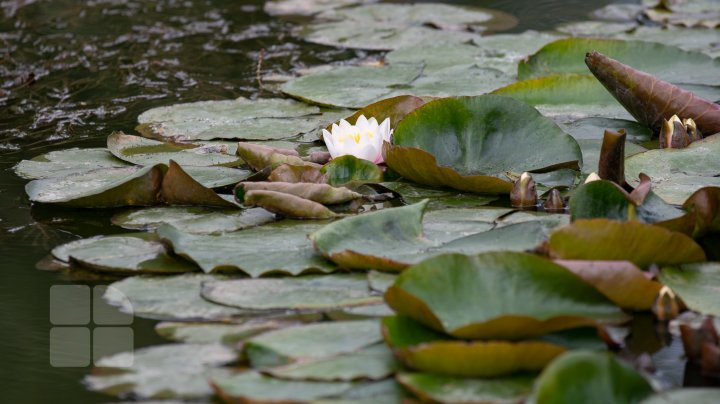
[
  {"x": 321, "y": 193},
  {"x": 363, "y": 140},
  {"x": 524, "y": 194},
  {"x": 694, "y": 337},
  {"x": 319, "y": 157},
  {"x": 612, "y": 157},
  {"x": 287, "y": 205},
  {"x": 259, "y": 157},
  {"x": 554, "y": 201}
]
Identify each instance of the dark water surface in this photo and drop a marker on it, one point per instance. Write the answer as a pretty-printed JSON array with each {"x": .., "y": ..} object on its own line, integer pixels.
[{"x": 72, "y": 72}]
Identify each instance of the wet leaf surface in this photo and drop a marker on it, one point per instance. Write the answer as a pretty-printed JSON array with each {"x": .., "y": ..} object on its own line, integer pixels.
[
  {"x": 446, "y": 389},
  {"x": 696, "y": 284}
]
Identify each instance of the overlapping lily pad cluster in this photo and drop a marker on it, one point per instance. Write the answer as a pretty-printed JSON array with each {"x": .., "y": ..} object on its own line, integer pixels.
[{"x": 283, "y": 276}]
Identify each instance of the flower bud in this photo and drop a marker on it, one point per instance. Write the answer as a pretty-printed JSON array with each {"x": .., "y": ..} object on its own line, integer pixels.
[
  {"x": 554, "y": 202},
  {"x": 673, "y": 134},
  {"x": 523, "y": 194}
]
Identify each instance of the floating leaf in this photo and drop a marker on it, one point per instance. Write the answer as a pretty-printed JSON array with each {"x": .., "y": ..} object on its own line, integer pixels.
[
  {"x": 253, "y": 387},
  {"x": 703, "y": 214},
  {"x": 620, "y": 281},
  {"x": 349, "y": 168},
  {"x": 693, "y": 395},
  {"x": 308, "y": 7},
  {"x": 216, "y": 333},
  {"x": 161, "y": 372},
  {"x": 594, "y": 127},
  {"x": 395, "y": 109},
  {"x": 242, "y": 119},
  {"x": 446, "y": 389},
  {"x": 259, "y": 157},
  {"x": 392, "y": 26},
  {"x": 380, "y": 281},
  {"x": 452, "y": 142},
  {"x": 640, "y": 243},
  {"x": 201, "y": 220},
  {"x": 179, "y": 188},
  {"x": 167, "y": 298},
  {"x": 576, "y": 376},
  {"x": 311, "y": 341},
  {"x": 287, "y": 205},
  {"x": 565, "y": 301},
  {"x": 216, "y": 177},
  {"x": 651, "y": 100},
  {"x": 141, "y": 151},
  {"x": 440, "y": 198},
  {"x": 307, "y": 293},
  {"x": 253, "y": 251},
  {"x": 295, "y": 174},
  {"x": 666, "y": 62},
  {"x": 697, "y": 39},
  {"x": 61, "y": 163},
  {"x": 696, "y": 284},
  {"x": 678, "y": 173},
  {"x": 514, "y": 237},
  {"x": 357, "y": 87},
  {"x": 372, "y": 363},
  {"x": 101, "y": 188},
  {"x": 122, "y": 254},
  {"x": 321, "y": 193}
]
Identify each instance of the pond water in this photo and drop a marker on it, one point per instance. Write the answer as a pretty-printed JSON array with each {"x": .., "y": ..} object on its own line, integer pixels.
[{"x": 74, "y": 71}]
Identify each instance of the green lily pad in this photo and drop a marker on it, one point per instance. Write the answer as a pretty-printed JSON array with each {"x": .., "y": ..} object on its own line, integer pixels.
[
  {"x": 349, "y": 168},
  {"x": 357, "y": 87},
  {"x": 477, "y": 137},
  {"x": 696, "y": 284},
  {"x": 595, "y": 127},
  {"x": 677, "y": 173},
  {"x": 698, "y": 13},
  {"x": 446, "y": 389},
  {"x": 196, "y": 219},
  {"x": 566, "y": 97},
  {"x": 520, "y": 237},
  {"x": 662, "y": 61},
  {"x": 101, "y": 188},
  {"x": 490, "y": 312},
  {"x": 579, "y": 376},
  {"x": 372, "y": 363},
  {"x": 123, "y": 255},
  {"x": 422, "y": 349},
  {"x": 216, "y": 177},
  {"x": 180, "y": 188},
  {"x": 697, "y": 39},
  {"x": 254, "y": 387},
  {"x": 439, "y": 198},
  {"x": 161, "y": 372},
  {"x": 380, "y": 281},
  {"x": 141, "y": 151},
  {"x": 61, "y": 163},
  {"x": 307, "y": 293},
  {"x": 694, "y": 395},
  {"x": 216, "y": 333},
  {"x": 640, "y": 243},
  {"x": 604, "y": 29},
  {"x": 550, "y": 220},
  {"x": 311, "y": 341},
  {"x": 168, "y": 298},
  {"x": 240, "y": 119},
  {"x": 392, "y": 26},
  {"x": 253, "y": 251}
]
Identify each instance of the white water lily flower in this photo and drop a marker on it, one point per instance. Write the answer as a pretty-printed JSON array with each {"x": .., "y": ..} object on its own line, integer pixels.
[{"x": 363, "y": 140}]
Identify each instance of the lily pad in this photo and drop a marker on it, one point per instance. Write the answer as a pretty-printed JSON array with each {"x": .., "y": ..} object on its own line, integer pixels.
[
  {"x": 695, "y": 395},
  {"x": 380, "y": 281},
  {"x": 620, "y": 281},
  {"x": 490, "y": 312},
  {"x": 595, "y": 127},
  {"x": 477, "y": 137},
  {"x": 698, "y": 39},
  {"x": 703, "y": 214},
  {"x": 61, "y": 163},
  {"x": 253, "y": 387},
  {"x": 168, "y": 298},
  {"x": 357, "y": 87},
  {"x": 216, "y": 333},
  {"x": 696, "y": 284},
  {"x": 200, "y": 220},
  {"x": 677, "y": 173},
  {"x": 101, "y": 188},
  {"x": 123, "y": 255},
  {"x": 345, "y": 169},
  {"x": 372, "y": 363},
  {"x": 311, "y": 341},
  {"x": 440, "y": 198},
  {"x": 307, "y": 293},
  {"x": 305, "y": 7},
  {"x": 161, "y": 372},
  {"x": 180, "y": 188},
  {"x": 254, "y": 251},
  {"x": 240, "y": 119},
  {"x": 524, "y": 236},
  {"x": 142, "y": 151},
  {"x": 446, "y": 389},
  {"x": 391, "y": 26},
  {"x": 394, "y": 109},
  {"x": 640, "y": 243},
  {"x": 665, "y": 62},
  {"x": 577, "y": 375}
]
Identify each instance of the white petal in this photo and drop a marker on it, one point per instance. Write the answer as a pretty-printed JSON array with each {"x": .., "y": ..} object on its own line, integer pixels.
[
  {"x": 367, "y": 152},
  {"x": 327, "y": 137},
  {"x": 385, "y": 130},
  {"x": 345, "y": 125},
  {"x": 361, "y": 122}
]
